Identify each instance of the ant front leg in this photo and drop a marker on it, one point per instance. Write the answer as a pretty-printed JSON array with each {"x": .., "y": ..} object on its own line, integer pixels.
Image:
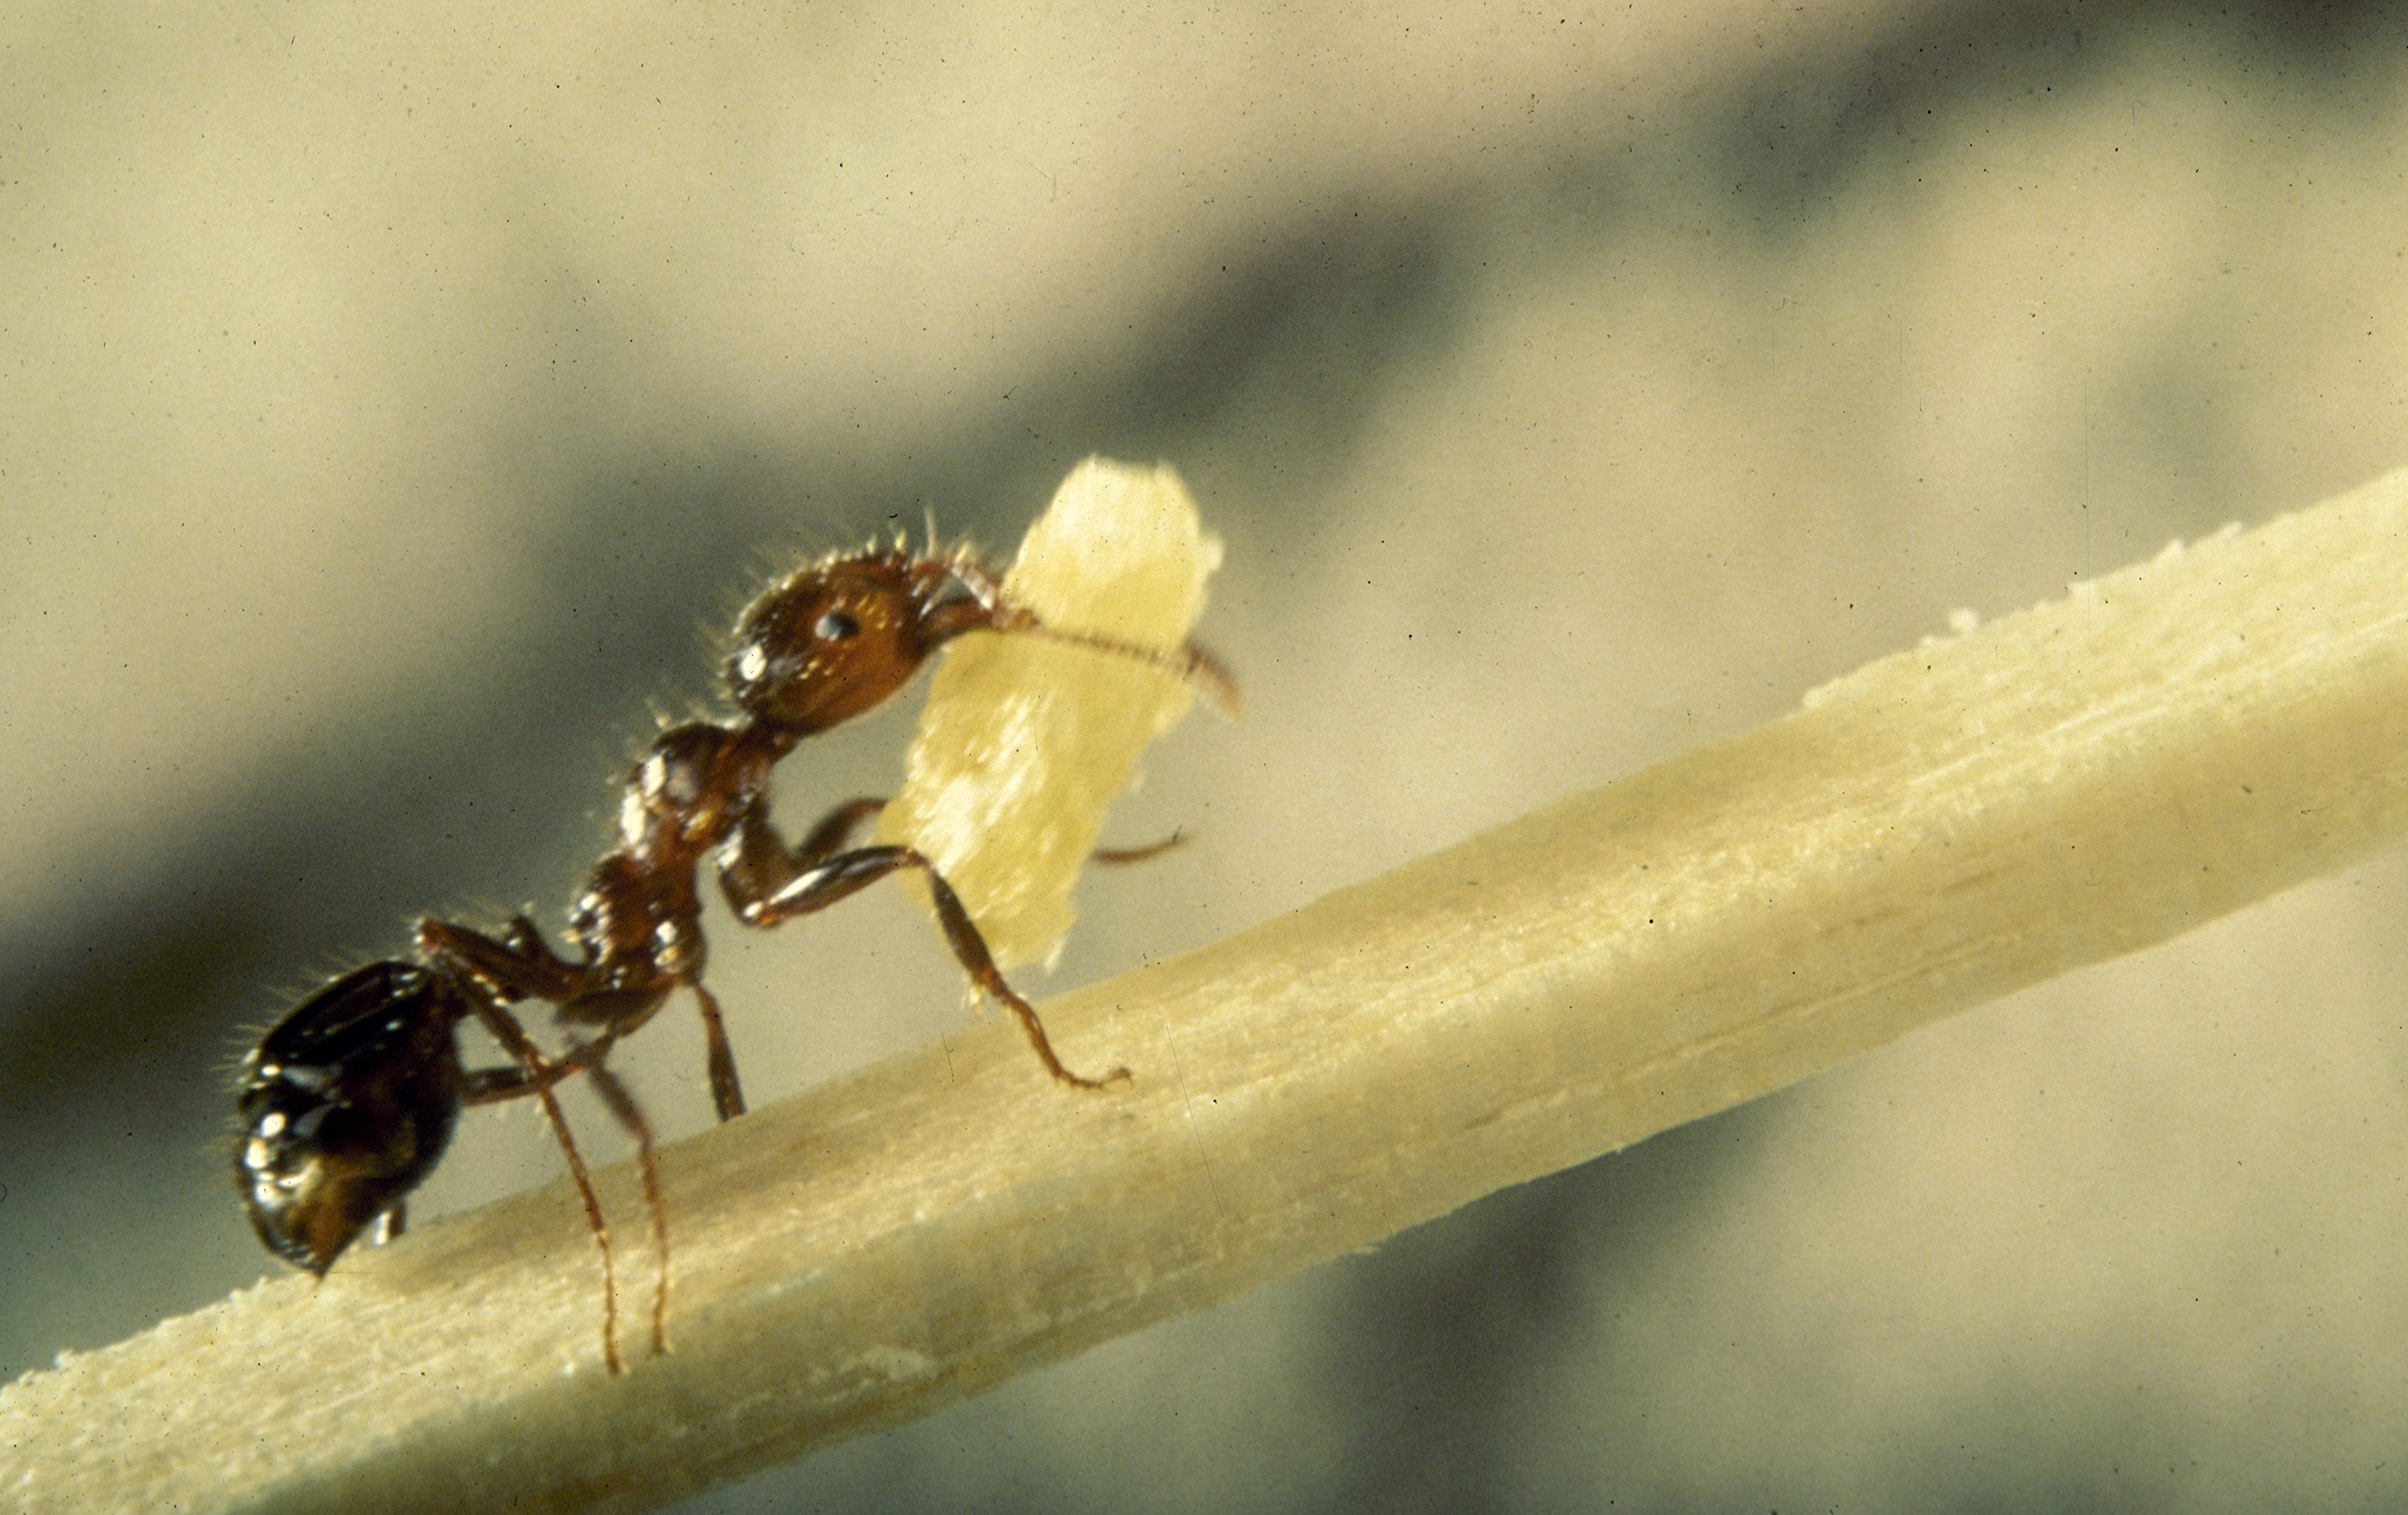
[
  {"x": 767, "y": 885},
  {"x": 834, "y": 831}
]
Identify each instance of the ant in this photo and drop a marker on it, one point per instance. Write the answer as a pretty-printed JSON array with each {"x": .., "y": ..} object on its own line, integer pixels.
[{"x": 348, "y": 1103}]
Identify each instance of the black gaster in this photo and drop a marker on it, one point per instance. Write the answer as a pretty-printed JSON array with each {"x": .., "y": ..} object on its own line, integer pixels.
[{"x": 346, "y": 1106}]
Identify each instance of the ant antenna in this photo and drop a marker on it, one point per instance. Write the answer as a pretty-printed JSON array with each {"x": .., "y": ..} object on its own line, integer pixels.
[
  {"x": 1199, "y": 670},
  {"x": 1189, "y": 663}
]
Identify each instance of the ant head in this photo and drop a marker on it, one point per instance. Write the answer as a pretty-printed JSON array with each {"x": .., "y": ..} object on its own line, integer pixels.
[
  {"x": 833, "y": 641},
  {"x": 346, "y": 1106}
]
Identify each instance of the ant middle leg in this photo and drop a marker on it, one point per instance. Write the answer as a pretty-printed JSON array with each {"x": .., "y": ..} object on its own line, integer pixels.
[
  {"x": 519, "y": 964},
  {"x": 726, "y": 1094}
]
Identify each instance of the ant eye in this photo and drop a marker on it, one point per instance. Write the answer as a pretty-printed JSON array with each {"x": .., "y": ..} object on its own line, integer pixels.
[{"x": 835, "y": 626}]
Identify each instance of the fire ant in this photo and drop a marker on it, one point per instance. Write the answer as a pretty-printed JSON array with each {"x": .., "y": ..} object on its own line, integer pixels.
[{"x": 348, "y": 1103}]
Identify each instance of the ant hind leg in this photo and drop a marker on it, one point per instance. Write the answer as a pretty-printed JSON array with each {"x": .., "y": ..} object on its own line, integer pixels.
[
  {"x": 519, "y": 965},
  {"x": 536, "y": 1074},
  {"x": 628, "y": 1113}
]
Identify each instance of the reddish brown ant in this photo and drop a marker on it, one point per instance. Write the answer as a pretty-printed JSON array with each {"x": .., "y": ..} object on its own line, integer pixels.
[{"x": 347, "y": 1104}]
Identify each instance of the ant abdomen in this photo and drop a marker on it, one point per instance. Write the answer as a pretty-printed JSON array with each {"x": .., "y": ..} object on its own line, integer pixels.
[{"x": 346, "y": 1106}]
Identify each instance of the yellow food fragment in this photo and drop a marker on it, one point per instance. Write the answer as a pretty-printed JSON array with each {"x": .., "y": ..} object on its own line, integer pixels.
[{"x": 1024, "y": 742}]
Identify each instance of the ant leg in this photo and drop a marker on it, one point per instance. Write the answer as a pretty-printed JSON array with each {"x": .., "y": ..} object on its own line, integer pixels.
[
  {"x": 517, "y": 966},
  {"x": 525, "y": 941},
  {"x": 754, "y": 862},
  {"x": 725, "y": 1093},
  {"x": 815, "y": 889},
  {"x": 765, "y": 884},
  {"x": 536, "y": 1074},
  {"x": 1139, "y": 855},
  {"x": 834, "y": 831},
  {"x": 520, "y": 965},
  {"x": 490, "y": 1086},
  {"x": 631, "y": 1115}
]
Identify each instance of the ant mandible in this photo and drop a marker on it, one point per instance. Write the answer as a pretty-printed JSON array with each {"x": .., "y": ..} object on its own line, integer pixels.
[{"x": 348, "y": 1103}]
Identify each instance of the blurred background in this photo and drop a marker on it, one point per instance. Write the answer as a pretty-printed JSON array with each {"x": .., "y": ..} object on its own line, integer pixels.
[{"x": 390, "y": 407}]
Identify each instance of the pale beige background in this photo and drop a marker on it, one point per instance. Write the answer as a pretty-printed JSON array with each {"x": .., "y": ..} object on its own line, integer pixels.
[{"x": 387, "y": 405}]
